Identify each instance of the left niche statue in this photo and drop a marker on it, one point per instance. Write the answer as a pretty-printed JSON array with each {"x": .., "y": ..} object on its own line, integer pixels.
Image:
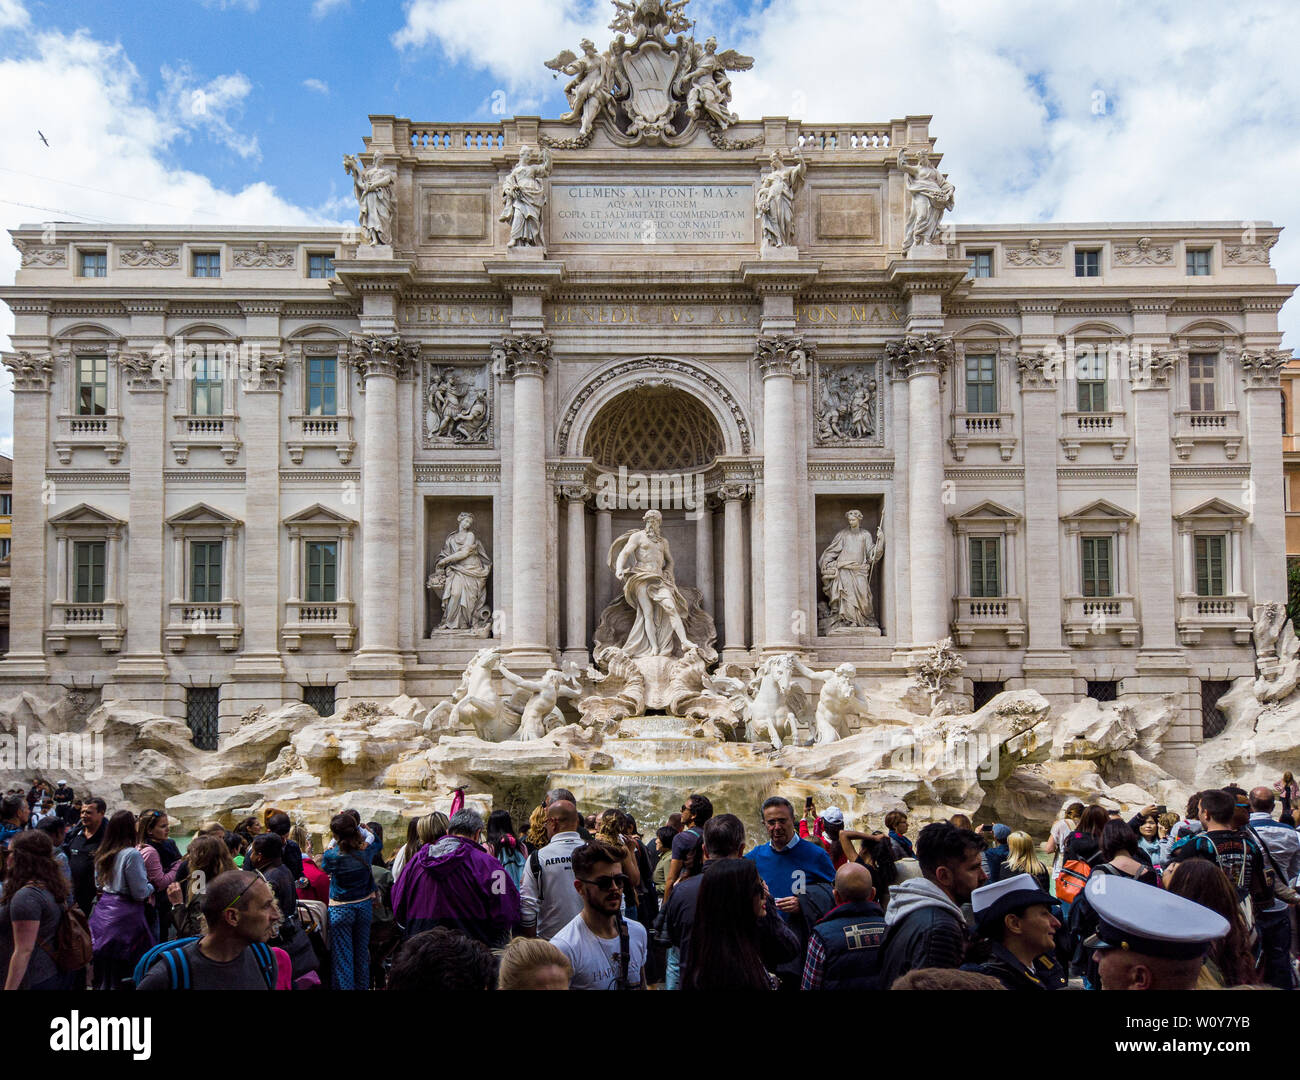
[
  {"x": 523, "y": 196},
  {"x": 460, "y": 580},
  {"x": 374, "y": 189}
]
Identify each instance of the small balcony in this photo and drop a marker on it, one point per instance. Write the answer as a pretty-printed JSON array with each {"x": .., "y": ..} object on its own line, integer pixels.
[
  {"x": 191, "y": 620},
  {"x": 89, "y": 433},
  {"x": 1197, "y": 614},
  {"x": 975, "y": 429},
  {"x": 103, "y": 621},
  {"x": 1089, "y": 619},
  {"x": 1191, "y": 428},
  {"x": 309, "y": 618},
  {"x": 209, "y": 432},
  {"x": 1085, "y": 428},
  {"x": 999, "y": 614},
  {"x": 330, "y": 432}
]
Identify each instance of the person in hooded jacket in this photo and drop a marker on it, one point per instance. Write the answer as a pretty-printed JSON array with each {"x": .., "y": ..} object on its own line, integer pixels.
[
  {"x": 926, "y": 927},
  {"x": 455, "y": 883}
]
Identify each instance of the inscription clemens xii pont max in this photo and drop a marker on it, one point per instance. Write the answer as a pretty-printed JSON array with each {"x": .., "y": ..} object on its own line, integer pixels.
[{"x": 652, "y": 213}]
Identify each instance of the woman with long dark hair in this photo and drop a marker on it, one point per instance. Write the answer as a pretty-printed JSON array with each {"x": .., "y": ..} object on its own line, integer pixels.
[
  {"x": 119, "y": 924},
  {"x": 724, "y": 953},
  {"x": 505, "y": 845},
  {"x": 153, "y": 843},
  {"x": 206, "y": 859},
  {"x": 1085, "y": 841},
  {"x": 351, "y": 887},
  {"x": 1230, "y": 961},
  {"x": 35, "y": 892}
]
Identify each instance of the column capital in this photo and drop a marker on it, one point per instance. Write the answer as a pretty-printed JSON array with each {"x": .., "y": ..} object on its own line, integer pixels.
[
  {"x": 31, "y": 371},
  {"x": 734, "y": 491},
  {"x": 784, "y": 355},
  {"x": 265, "y": 374},
  {"x": 1039, "y": 369},
  {"x": 146, "y": 371},
  {"x": 522, "y": 354},
  {"x": 920, "y": 354},
  {"x": 1264, "y": 368},
  {"x": 1154, "y": 371},
  {"x": 572, "y": 492},
  {"x": 382, "y": 354}
]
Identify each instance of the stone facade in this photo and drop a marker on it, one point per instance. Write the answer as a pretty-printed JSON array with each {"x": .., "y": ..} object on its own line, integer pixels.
[{"x": 1058, "y": 464}]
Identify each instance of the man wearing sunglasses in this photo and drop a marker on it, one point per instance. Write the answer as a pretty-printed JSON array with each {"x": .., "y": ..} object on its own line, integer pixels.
[{"x": 607, "y": 951}]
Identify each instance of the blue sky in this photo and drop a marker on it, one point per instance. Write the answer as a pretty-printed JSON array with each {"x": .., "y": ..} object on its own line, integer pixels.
[{"x": 239, "y": 111}]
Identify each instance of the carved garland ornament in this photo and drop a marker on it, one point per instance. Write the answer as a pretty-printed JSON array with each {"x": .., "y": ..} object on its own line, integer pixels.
[{"x": 704, "y": 378}]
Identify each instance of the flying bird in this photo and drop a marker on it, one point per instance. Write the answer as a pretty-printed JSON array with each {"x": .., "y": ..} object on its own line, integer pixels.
[{"x": 43, "y": 138}]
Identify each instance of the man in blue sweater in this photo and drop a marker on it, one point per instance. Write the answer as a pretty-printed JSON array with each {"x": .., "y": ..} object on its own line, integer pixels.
[{"x": 788, "y": 865}]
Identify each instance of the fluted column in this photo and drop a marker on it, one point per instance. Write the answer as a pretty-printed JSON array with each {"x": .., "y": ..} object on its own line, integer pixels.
[
  {"x": 1262, "y": 371},
  {"x": 575, "y": 593},
  {"x": 525, "y": 358},
  {"x": 734, "y": 578},
  {"x": 780, "y": 360},
  {"x": 704, "y": 553},
  {"x": 603, "y": 579},
  {"x": 922, "y": 360},
  {"x": 381, "y": 360}
]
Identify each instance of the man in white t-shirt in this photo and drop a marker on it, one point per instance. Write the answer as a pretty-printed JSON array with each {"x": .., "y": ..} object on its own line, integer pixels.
[{"x": 607, "y": 952}]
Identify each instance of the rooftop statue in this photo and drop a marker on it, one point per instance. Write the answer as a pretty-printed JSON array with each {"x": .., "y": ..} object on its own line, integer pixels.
[
  {"x": 374, "y": 189},
  {"x": 932, "y": 193},
  {"x": 523, "y": 196}
]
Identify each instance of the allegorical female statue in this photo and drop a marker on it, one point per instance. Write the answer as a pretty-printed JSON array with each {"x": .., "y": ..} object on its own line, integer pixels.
[
  {"x": 524, "y": 195},
  {"x": 460, "y": 575},
  {"x": 931, "y": 195},
  {"x": 846, "y": 567},
  {"x": 774, "y": 200},
  {"x": 374, "y": 189}
]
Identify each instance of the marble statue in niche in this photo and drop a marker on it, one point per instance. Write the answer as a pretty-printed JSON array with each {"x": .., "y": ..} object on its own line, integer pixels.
[
  {"x": 846, "y": 567},
  {"x": 460, "y": 579}
]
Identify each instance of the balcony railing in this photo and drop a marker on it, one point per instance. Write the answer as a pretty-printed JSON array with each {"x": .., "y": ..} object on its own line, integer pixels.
[
  {"x": 1080, "y": 428},
  {"x": 330, "y": 432},
  {"x": 89, "y": 433},
  {"x": 310, "y": 618},
  {"x": 98, "y": 620},
  {"x": 191, "y": 619},
  {"x": 989, "y": 613},
  {"x": 983, "y": 428},
  {"x": 1191, "y": 428},
  {"x": 1196, "y": 614},
  {"x": 1091, "y": 619},
  {"x": 212, "y": 432}
]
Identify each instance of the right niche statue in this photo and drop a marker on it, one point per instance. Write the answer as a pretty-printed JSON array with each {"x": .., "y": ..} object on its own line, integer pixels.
[{"x": 846, "y": 567}]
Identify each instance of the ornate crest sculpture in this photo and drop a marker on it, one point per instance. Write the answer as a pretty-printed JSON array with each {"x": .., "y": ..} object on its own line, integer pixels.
[{"x": 653, "y": 88}]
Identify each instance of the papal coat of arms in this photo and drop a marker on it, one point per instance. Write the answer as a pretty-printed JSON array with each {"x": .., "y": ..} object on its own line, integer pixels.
[{"x": 653, "y": 88}]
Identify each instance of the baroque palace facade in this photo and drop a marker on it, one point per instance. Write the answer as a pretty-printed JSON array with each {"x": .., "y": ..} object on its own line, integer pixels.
[{"x": 241, "y": 453}]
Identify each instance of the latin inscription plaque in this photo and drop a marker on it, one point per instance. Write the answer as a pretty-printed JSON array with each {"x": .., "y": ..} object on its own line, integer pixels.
[{"x": 652, "y": 214}]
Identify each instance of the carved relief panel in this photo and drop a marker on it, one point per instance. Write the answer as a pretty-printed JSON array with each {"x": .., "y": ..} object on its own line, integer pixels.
[
  {"x": 846, "y": 403},
  {"x": 458, "y": 406}
]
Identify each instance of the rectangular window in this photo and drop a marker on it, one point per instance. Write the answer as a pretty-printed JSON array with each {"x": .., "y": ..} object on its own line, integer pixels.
[
  {"x": 1103, "y": 689},
  {"x": 207, "y": 264},
  {"x": 88, "y": 571},
  {"x": 981, "y": 384},
  {"x": 1200, "y": 380},
  {"x": 1090, "y": 377},
  {"x": 1097, "y": 563},
  {"x": 1209, "y": 565},
  {"x": 984, "y": 691},
  {"x": 320, "y": 266},
  {"x": 322, "y": 388},
  {"x": 94, "y": 263},
  {"x": 985, "y": 566},
  {"x": 202, "y": 708},
  {"x": 1198, "y": 262},
  {"x": 5, "y": 543},
  {"x": 92, "y": 385},
  {"x": 981, "y": 263},
  {"x": 206, "y": 386},
  {"x": 322, "y": 570},
  {"x": 205, "y": 571},
  {"x": 6, "y": 505},
  {"x": 320, "y": 698},
  {"x": 1087, "y": 263}
]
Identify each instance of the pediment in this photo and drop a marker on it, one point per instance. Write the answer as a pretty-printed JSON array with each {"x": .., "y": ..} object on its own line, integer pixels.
[
  {"x": 202, "y": 514},
  {"x": 85, "y": 514},
  {"x": 1100, "y": 508},
  {"x": 987, "y": 511},
  {"x": 1212, "y": 508},
  {"x": 318, "y": 515}
]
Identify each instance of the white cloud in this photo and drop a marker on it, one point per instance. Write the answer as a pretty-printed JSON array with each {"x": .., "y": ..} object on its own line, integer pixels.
[
  {"x": 12, "y": 14},
  {"x": 206, "y": 106},
  {"x": 1199, "y": 111},
  {"x": 321, "y": 8},
  {"x": 108, "y": 156},
  {"x": 318, "y": 85}
]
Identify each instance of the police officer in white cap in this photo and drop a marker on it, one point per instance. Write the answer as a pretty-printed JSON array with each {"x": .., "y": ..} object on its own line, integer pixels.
[
  {"x": 1149, "y": 939},
  {"x": 1014, "y": 917}
]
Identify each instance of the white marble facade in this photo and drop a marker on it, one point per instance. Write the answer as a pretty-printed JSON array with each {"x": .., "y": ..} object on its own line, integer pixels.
[{"x": 273, "y": 525}]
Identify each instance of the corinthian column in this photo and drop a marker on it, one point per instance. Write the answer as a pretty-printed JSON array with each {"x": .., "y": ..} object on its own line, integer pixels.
[
  {"x": 922, "y": 360},
  {"x": 381, "y": 360},
  {"x": 781, "y": 360},
  {"x": 525, "y": 358},
  {"x": 575, "y": 598},
  {"x": 734, "y": 578}
]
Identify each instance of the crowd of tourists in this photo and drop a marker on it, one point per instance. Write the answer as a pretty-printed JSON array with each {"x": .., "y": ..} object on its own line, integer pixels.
[{"x": 101, "y": 900}]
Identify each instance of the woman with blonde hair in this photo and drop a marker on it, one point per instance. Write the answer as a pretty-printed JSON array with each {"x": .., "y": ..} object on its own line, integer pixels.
[
  {"x": 533, "y": 964},
  {"x": 537, "y": 837},
  {"x": 428, "y": 829},
  {"x": 613, "y": 827},
  {"x": 1023, "y": 859}
]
